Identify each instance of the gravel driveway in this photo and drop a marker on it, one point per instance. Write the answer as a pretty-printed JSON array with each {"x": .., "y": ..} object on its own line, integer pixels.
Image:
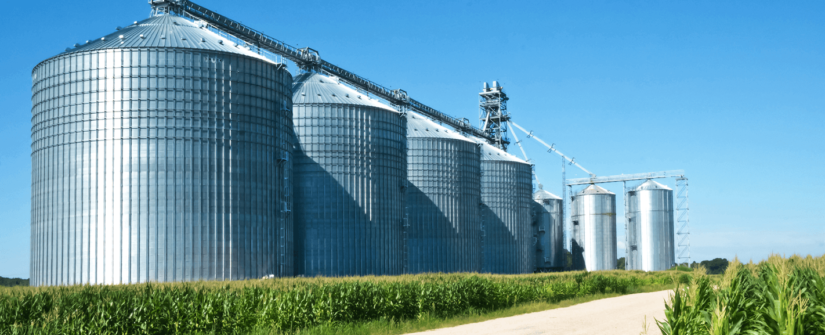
[{"x": 619, "y": 315}]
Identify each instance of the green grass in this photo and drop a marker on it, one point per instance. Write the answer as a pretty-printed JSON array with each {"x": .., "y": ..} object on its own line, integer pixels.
[
  {"x": 779, "y": 296},
  {"x": 301, "y": 305}
]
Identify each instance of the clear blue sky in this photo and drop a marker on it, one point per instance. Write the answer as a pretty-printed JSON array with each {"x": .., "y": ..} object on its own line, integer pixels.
[{"x": 733, "y": 92}]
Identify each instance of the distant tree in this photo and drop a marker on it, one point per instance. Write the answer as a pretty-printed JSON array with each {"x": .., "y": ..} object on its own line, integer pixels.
[
  {"x": 13, "y": 282},
  {"x": 716, "y": 266},
  {"x": 620, "y": 263}
]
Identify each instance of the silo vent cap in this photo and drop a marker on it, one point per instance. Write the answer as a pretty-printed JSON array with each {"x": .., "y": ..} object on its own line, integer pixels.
[
  {"x": 120, "y": 37},
  {"x": 103, "y": 38},
  {"x": 142, "y": 37}
]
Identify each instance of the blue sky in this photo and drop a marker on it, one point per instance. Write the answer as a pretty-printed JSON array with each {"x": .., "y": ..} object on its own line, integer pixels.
[{"x": 732, "y": 92}]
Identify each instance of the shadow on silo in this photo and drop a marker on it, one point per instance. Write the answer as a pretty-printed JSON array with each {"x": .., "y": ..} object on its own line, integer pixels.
[
  {"x": 501, "y": 252},
  {"x": 578, "y": 256},
  {"x": 334, "y": 235},
  {"x": 435, "y": 243}
]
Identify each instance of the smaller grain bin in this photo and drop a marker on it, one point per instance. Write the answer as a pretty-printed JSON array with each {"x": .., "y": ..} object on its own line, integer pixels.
[
  {"x": 506, "y": 188},
  {"x": 650, "y": 230},
  {"x": 443, "y": 197},
  {"x": 549, "y": 230},
  {"x": 594, "y": 229}
]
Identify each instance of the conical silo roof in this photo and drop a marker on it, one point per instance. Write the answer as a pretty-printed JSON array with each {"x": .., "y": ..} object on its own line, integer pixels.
[
  {"x": 491, "y": 153},
  {"x": 652, "y": 185},
  {"x": 419, "y": 126},
  {"x": 542, "y": 194},
  {"x": 594, "y": 189},
  {"x": 165, "y": 31},
  {"x": 316, "y": 88}
]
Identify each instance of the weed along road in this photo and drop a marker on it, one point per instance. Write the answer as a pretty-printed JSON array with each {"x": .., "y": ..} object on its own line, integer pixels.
[{"x": 619, "y": 315}]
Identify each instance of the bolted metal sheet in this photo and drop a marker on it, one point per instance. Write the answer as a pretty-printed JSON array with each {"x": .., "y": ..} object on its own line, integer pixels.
[
  {"x": 549, "y": 230},
  {"x": 159, "y": 164},
  {"x": 594, "y": 229},
  {"x": 350, "y": 172},
  {"x": 508, "y": 245},
  {"x": 443, "y": 197},
  {"x": 651, "y": 229}
]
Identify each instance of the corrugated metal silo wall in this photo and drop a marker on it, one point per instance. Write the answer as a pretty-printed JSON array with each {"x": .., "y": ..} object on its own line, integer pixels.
[
  {"x": 549, "y": 231},
  {"x": 594, "y": 224},
  {"x": 506, "y": 194},
  {"x": 444, "y": 232},
  {"x": 142, "y": 172},
  {"x": 632, "y": 260},
  {"x": 350, "y": 169},
  {"x": 652, "y": 213}
]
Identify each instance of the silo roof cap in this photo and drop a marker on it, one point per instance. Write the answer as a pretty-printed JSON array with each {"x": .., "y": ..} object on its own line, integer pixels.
[
  {"x": 652, "y": 185},
  {"x": 165, "y": 31},
  {"x": 316, "y": 88},
  {"x": 544, "y": 195},
  {"x": 491, "y": 153},
  {"x": 418, "y": 126},
  {"x": 594, "y": 189}
]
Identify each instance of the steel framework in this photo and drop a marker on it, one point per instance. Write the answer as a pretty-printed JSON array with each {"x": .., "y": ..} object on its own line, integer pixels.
[{"x": 492, "y": 110}]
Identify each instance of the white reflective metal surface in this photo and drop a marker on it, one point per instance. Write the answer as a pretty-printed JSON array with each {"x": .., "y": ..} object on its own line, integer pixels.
[
  {"x": 594, "y": 229},
  {"x": 650, "y": 231},
  {"x": 159, "y": 164}
]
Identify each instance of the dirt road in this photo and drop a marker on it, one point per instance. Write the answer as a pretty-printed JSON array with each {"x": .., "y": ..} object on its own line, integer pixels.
[{"x": 620, "y": 315}]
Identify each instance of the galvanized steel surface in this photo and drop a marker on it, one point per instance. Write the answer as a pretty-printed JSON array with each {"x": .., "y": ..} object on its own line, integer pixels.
[
  {"x": 506, "y": 189},
  {"x": 549, "y": 230},
  {"x": 350, "y": 171},
  {"x": 594, "y": 229},
  {"x": 650, "y": 231},
  {"x": 443, "y": 198},
  {"x": 159, "y": 164}
]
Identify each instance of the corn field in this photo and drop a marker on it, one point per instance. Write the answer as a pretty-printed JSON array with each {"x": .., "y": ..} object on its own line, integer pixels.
[
  {"x": 287, "y": 305},
  {"x": 779, "y": 296}
]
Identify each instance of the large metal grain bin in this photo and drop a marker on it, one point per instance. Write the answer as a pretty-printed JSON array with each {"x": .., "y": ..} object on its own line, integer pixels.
[
  {"x": 350, "y": 175},
  {"x": 549, "y": 231},
  {"x": 650, "y": 230},
  {"x": 506, "y": 188},
  {"x": 160, "y": 153},
  {"x": 443, "y": 198},
  {"x": 594, "y": 229}
]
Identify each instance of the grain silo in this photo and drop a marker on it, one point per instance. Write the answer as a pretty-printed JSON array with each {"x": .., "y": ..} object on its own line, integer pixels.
[
  {"x": 506, "y": 189},
  {"x": 594, "y": 229},
  {"x": 650, "y": 230},
  {"x": 549, "y": 230},
  {"x": 160, "y": 153},
  {"x": 443, "y": 198},
  {"x": 350, "y": 175}
]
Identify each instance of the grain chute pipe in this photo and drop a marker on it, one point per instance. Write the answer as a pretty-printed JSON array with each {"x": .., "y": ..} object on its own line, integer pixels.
[
  {"x": 535, "y": 175},
  {"x": 553, "y": 149}
]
